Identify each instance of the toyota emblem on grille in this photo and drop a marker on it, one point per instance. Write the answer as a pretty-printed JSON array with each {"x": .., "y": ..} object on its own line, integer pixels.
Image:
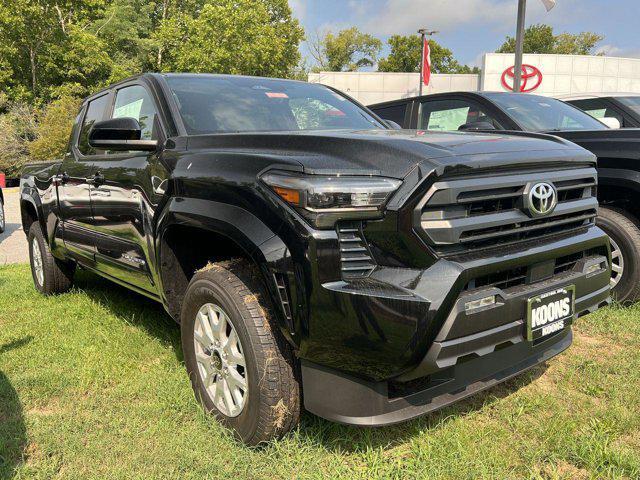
[{"x": 542, "y": 199}]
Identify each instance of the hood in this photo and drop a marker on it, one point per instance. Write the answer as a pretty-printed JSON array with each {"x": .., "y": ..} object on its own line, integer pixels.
[
  {"x": 607, "y": 145},
  {"x": 391, "y": 153}
]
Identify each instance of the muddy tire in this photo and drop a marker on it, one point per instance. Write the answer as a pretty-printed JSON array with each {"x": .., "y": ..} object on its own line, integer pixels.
[
  {"x": 624, "y": 233},
  {"x": 241, "y": 368}
]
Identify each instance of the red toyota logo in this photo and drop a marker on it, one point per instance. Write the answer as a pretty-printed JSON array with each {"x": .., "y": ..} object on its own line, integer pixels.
[{"x": 531, "y": 78}]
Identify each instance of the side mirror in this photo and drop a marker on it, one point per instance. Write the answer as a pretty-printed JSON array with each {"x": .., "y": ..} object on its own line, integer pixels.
[
  {"x": 470, "y": 127},
  {"x": 392, "y": 125},
  {"x": 611, "y": 122},
  {"x": 120, "y": 134}
]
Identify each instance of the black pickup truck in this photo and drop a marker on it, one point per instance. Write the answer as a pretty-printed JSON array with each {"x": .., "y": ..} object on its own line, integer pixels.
[
  {"x": 305, "y": 246},
  {"x": 618, "y": 153}
]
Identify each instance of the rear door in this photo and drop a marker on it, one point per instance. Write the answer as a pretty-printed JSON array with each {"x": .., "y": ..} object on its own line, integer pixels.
[
  {"x": 124, "y": 202},
  {"x": 75, "y": 182}
]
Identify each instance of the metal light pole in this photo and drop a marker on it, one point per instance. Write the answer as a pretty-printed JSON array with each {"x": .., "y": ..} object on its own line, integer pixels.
[
  {"x": 517, "y": 70},
  {"x": 423, "y": 34}
]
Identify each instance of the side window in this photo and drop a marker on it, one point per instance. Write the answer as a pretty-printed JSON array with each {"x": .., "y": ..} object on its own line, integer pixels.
[
  {"x": 395, "y": 113},
  {"x": 598, "y": 108},
  {"x": 450, "y": 115},
  {"x": 95, "y": 112},
  {"x": 136, "y": 102}
]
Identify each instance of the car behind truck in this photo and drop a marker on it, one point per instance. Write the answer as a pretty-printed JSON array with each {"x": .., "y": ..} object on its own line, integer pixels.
[{"x": 305, "y": 247}]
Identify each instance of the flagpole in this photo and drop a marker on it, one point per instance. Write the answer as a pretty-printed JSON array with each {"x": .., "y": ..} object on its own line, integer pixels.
[
  {"x": 517, "y": 69},
  {"x": 423, "y": 34}
]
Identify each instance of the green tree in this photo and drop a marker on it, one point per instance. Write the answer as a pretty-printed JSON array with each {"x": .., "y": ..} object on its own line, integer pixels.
[
  {"x": 348, "y": 50},
  {"x": 577, "y": 44},
  {"x": 406, "y": 52},
  {"x": 251, "y": 37},
  {"x": 34, "y": 34},
  {"x": 540, "y": 38}
]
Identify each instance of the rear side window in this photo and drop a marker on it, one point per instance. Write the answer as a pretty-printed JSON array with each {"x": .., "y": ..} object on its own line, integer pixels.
[
  {"x": 395, "y": 113},
  {"x": 95, "y": 112},
  {"x": 598, "y": 108}
]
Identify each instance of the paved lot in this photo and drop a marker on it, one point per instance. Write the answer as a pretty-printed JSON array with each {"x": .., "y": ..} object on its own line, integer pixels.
[{"x": 13, "y": 243}]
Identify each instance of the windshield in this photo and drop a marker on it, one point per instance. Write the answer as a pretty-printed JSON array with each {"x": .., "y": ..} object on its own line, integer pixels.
[
  {"x": 633, "y": 103},
  {"x": 223, "y": 104},
  {"x": 538, "y": 114}
]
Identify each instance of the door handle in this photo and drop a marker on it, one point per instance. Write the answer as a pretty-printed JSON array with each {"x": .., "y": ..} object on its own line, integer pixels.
[
  {"x": 96, "y": 180},
  {"x": 61, "y": 178}
]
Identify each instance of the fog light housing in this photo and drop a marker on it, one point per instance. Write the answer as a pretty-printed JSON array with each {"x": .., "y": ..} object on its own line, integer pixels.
[
  {"x": 594, "y": 269},
  {"x": 480, "y": 303}
]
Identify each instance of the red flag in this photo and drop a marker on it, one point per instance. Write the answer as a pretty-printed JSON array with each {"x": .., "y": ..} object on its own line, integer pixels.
[{"x": 426, "y": 63}]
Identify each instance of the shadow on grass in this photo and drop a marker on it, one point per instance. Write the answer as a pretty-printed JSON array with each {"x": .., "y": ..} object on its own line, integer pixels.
[
  {"x": 132, "y": 308},
  {"x": 13, "y": 434},
  {"x": 151, "y": 316}
]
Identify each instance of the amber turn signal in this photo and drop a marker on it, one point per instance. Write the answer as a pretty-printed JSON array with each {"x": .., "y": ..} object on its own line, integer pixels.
[{"x": 288, "y": 195}]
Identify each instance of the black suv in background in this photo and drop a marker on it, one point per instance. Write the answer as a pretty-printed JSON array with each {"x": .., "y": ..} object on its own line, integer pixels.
[
  {"x": 303, "y": 246},
  {"x": 618, "y": 153},
  {"x": 624, "y": 107}
]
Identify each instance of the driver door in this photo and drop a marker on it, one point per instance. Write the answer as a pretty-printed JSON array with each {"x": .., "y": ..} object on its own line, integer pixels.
[{"x": 125, "y": 200}]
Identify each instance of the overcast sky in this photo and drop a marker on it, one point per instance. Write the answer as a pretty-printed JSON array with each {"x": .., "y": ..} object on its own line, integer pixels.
[{"x": 473, "y": 27}]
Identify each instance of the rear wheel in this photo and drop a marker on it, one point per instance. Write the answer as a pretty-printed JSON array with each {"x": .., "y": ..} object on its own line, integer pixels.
[
  {"x": 240, "y": 366},
  {"x": 624, "y": 234},
  {"x": 50, "y": 275}
]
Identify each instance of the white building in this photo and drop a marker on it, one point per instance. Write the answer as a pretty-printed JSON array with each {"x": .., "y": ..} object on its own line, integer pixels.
[{"x": 552, "y": 75}]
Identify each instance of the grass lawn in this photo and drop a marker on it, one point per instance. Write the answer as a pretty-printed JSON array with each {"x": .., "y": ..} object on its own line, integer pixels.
[{"x": 92, "y": 386}]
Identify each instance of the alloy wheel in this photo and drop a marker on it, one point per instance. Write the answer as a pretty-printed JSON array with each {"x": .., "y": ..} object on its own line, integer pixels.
[
  {"x": 617, "y": 264},
  {"x": 221, "y": 361},
  {"x": 38, "y": 267}
]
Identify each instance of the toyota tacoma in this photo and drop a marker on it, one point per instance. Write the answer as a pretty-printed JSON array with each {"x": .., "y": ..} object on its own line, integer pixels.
[{"x": 315, "y": 257}]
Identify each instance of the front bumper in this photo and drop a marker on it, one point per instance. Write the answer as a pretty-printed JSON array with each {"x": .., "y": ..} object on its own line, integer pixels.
[
  {"x": 354, "y": 401},
  {"x": 405, "y": 345}
]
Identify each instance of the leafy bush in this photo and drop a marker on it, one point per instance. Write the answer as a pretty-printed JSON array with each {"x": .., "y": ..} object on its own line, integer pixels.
[
  {"x": 18, "y": 129},
  {"x": 53, "y": 129}
]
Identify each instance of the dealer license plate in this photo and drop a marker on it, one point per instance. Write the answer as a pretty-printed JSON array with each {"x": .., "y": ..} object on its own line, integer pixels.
[{"x": 550, "y": 312}]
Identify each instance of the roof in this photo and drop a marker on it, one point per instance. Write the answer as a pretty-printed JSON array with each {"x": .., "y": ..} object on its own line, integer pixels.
[{"x": 586, "y": 96}]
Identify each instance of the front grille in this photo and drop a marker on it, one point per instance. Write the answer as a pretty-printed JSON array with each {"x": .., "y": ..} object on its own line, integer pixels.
[
  {"x": 487, "y": 211},
  {"x": 355, "y": 257},
  {"x": 516, "y": 277}
]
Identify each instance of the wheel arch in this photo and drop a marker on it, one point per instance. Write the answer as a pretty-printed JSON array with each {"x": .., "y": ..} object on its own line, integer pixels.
[
  {"x": 193, "y": 232},
  {"x": 620, "y": 188},
  {"x": 31, "y": 211}
]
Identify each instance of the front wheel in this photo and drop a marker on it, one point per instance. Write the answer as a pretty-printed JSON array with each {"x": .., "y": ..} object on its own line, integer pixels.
[
  {"x": 241, "y": 368},
  {"x": 624, "y": 234},
  {"x": 50, "y": 275}
]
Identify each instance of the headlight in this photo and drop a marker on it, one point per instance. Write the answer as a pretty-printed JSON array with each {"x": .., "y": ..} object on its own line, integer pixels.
[{"x": 324, "y": 200}]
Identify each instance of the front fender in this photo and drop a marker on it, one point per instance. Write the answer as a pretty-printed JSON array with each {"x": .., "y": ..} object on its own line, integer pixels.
[{"x": 262, "y": 245}]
